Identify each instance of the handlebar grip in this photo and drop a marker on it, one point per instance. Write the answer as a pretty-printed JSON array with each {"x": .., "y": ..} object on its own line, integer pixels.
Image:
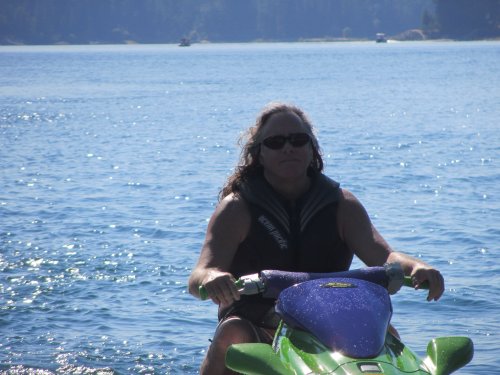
[
  {"x": 203, "y": 293},
  {"x": 408, "y": 282}
]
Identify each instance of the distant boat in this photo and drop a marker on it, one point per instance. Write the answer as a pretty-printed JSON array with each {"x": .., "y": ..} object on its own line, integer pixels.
[
  {"x": 185, "y": 42},
  {"x": 380, "y": 38}
]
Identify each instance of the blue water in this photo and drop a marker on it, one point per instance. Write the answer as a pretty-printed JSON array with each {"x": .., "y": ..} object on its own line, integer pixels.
[{"x": 112, "y": 158}]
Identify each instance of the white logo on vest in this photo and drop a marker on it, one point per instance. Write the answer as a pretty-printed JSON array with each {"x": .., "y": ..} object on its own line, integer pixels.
[{"x": 282, "y": 243}]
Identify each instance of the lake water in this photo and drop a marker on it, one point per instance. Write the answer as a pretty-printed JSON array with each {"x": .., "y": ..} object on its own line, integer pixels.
[{"x": 112, "y": 158}]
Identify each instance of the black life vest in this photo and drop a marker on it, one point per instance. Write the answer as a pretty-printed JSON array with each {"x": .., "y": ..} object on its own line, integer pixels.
[{"x": 303, "y": 238}]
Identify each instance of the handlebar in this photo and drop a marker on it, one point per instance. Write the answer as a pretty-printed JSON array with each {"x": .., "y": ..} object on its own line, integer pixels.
[{"x": 270, "y": 283}]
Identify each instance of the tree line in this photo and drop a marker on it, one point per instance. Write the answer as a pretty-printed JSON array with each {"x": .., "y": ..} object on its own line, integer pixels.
[{"x": 166, "y": 21}]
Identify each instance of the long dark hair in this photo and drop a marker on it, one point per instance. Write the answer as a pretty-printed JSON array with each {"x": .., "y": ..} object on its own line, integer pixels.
[{"x": 249, "y": 164}]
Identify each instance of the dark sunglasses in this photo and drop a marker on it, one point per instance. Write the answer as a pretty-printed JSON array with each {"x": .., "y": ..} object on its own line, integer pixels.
[{"x": 277, "y": 142}]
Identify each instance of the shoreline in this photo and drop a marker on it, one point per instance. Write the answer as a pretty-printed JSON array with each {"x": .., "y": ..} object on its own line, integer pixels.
[{"x": 256, "y": 42}]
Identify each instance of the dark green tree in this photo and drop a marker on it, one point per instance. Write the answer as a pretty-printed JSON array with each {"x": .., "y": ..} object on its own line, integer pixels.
[{"x": 468, "y": 19}]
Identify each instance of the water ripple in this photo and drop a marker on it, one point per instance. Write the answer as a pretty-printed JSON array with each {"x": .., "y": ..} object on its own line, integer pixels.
[{"x": 107, "y": 186}]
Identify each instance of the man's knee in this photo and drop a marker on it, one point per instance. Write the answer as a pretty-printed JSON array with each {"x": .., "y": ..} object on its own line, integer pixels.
[
  {"x": 234, "y": 331},
  {"x": 231, "y": 331}
]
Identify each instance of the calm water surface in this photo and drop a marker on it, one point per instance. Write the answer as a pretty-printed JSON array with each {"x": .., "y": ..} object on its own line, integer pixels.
[{"x": 112, "y": 157}]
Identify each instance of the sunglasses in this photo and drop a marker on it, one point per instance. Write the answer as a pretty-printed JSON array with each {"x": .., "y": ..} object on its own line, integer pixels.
[{"x": 277, "y": 142}]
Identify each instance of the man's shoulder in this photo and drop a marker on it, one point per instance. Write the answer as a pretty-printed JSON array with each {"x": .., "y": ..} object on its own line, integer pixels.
[{"x": 233, "y": 203}]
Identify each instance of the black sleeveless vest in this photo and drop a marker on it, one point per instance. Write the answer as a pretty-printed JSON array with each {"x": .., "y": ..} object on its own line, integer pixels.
[{"x": 303, "y": 238}]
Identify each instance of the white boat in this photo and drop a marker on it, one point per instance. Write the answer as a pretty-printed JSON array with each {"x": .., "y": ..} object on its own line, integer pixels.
[
  {"x": 380, "y": 38},
  {"x": 185, "y": 42}
]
